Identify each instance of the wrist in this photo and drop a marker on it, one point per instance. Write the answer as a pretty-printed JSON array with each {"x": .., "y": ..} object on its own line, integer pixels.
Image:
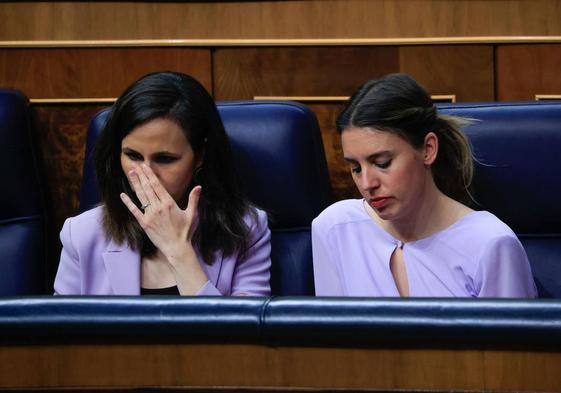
[{"x": 179, "y": 255}]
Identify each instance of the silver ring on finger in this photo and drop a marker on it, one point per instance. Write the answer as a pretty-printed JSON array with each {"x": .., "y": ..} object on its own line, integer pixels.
[{"x": 145, "y": 206}]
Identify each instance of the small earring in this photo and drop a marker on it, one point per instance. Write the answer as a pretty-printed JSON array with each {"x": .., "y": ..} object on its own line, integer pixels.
[{"x": 197, "y": 174}]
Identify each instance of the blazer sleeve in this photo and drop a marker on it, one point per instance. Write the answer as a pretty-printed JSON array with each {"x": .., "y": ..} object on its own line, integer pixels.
[
  {"x": 251, "y": 274},
  {"x": 504, "y": 270},
  {"x": 67, "y": 281},
  {"x": 326, "y": 278}
]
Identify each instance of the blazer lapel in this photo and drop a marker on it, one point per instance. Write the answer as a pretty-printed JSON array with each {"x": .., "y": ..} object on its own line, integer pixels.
[{"x": 123, "y": 269}]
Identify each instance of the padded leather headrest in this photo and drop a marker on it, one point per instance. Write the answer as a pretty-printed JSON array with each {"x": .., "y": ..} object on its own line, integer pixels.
[
  {"x": 20, "y": 196},
  {"x": 518, "y": 173}
]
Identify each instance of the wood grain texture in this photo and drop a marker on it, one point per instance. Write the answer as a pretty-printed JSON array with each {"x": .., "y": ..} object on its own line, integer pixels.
[
  {"x": 466, "y": 71},
  {"x": 62, "y": 136},
  {"x": 243, "y": 73},
  {"x": 95, "y": 72},
  {"x": 278, "y": 19},
  {"x": 526, "y": 70},
  {"x": 342, "y": 183},
  {"x": 228, "y": 365}
]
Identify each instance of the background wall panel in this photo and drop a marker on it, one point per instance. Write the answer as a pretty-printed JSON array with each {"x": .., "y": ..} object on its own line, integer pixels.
[
  {"x": 61, "y": 130},
  {"x": 526, "y": 70},
  {"x": 466, "y": 71},
  {"x": 243, "y": 73},
  {"x": 82, "y": 20},
  {"x": 93, "y": 72}
]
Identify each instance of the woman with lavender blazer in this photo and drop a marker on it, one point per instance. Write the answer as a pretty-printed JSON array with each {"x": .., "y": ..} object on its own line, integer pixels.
[{"x": 172, "y": 219}]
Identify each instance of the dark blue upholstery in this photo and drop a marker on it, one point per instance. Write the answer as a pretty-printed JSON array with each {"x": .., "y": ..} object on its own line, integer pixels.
[
  {"x": 341, "y": 322},
  {"x": 518, "y": 177},
  {"x": 231, "y": 318},
  {"x": 22, "y": 211},
  {"x": 278, "y": 153}
]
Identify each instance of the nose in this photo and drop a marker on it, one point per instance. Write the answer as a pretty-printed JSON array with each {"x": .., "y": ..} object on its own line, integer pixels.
[
  {"x": 153, "y": 167},
  {"x": 368, "y": 181}
]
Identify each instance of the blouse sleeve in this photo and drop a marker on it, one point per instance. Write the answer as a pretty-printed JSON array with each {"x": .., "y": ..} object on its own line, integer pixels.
[
  {"x": 504, "y": 270},
  {"x": 252, "y": 272},
  {"x": 326, "y": 279},
  {"x": 67, "y": 281}
]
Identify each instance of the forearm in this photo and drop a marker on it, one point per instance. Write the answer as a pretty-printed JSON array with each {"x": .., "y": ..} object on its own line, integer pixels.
[{"x": 187, "y": 270}]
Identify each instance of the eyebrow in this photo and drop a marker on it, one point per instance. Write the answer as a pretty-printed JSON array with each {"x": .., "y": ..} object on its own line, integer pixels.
[{"x": 372, "y": 156}]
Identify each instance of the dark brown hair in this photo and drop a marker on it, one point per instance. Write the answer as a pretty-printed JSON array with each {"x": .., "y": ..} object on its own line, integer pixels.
[
  {"x": 397, "y": 103},
  {"x": 180, "y": 98}
]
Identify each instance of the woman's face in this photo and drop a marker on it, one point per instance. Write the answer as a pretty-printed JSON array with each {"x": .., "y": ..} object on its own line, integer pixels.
[
  {"x": 391, "y": 175},
  {"x": 161, "y": 145}
]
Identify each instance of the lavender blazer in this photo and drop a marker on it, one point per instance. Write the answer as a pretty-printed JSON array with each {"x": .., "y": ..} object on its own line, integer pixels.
[{"x": 91, "y": 264}]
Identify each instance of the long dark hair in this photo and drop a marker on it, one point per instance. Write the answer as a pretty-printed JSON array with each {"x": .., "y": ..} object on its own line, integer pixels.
[
  {"x": 397, "y": 103},
  {"x": 222, "y": 206}
]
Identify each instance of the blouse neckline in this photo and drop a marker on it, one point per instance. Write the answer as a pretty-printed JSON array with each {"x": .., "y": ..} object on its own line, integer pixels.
[{"x": 401, "y": 244}]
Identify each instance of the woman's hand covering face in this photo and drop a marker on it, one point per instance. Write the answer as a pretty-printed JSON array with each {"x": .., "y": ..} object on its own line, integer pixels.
[{"x": 167, "y": 225}]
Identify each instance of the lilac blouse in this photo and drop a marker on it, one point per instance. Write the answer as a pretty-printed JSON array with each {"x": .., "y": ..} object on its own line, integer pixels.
[{"x": 477, "y": 256}]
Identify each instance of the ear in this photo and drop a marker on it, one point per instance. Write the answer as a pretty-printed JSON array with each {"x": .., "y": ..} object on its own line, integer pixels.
[{"x": 430, "y": 148}]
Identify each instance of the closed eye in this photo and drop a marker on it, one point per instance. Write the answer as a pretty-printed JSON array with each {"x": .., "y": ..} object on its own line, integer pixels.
[
  {"x": 383, "y": 165},
  {"x": 165, "y": 159},
  {"x": 134, "y": 156}
]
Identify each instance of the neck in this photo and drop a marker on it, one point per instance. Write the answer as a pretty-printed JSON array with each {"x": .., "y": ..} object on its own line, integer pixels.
[{"x": 420, "y": 220}]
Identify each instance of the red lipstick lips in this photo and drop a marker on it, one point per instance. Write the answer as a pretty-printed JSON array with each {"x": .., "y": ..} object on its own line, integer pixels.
[{"x": 377, "y": 203}]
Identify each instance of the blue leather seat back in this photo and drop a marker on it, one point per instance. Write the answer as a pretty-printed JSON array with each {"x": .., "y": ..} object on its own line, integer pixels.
[
  {"x": 279, "y": 156},
  {"x": 518, "y": 177},
  {"x": 22, "y": 211}
]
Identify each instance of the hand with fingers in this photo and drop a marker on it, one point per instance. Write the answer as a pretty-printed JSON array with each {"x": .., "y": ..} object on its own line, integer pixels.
[{"x": 168, "y": 226}]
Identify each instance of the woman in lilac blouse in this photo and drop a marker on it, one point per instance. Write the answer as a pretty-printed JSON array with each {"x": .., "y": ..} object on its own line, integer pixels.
[
  {"x": 411, "y": 234},
  {"x": 173, "y": 219}
]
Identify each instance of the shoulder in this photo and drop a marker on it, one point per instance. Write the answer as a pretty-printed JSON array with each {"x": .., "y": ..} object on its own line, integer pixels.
[
  {"x": 255, "y": 217},
  {"x": 87, "y": 218},
  {"x": 482, "y": 233},
  {"x": 484, "y": 224},
  {"x": 86, "y": 227},
  {"x": 342, "y": 212},
  {"x": 474, "y": 234},
  {"x": 257, "y": 223}
]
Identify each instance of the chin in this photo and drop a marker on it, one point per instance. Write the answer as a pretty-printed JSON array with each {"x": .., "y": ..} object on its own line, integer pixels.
[
  {"x": 388, "y": 214},
  {"x": 385, "y": 216}
]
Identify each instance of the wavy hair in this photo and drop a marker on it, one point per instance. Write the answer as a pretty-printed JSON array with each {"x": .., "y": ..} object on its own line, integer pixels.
[{"x": 180, "y": 98}]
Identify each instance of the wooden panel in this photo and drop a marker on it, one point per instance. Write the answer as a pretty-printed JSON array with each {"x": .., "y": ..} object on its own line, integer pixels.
[
  {"x": 341, "y": 180},
  {"x": 244, "y": 73},
  {"x": 462, "y": 70},
  {"x": 81, "y": 20},
  {"x": 200, "y": 366},
  {"x": 526, "y": 70},
  {"x": 97, "y": 72},
  {"x": 522, "y": 371},
  {"x": 61, "y": 131}
]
